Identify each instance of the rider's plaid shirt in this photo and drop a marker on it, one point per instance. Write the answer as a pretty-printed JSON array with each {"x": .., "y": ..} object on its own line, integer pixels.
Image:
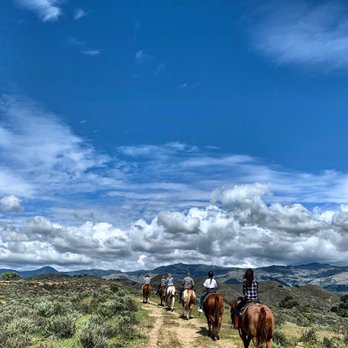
[{"x": 251, "y": 292}]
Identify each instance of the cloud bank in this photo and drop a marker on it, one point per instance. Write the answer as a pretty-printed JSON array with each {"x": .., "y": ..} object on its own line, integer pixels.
[
  {"x": 147, "y": 205},
  {"x": 239, "y": 230}
]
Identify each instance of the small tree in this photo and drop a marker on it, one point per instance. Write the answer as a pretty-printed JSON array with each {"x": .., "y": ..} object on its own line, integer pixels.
[{"x": 9, "y": 276}]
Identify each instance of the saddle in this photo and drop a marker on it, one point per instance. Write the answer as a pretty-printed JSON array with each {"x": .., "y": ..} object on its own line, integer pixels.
[
  {"x": 207, "y": 295},
  {"x": 245, "y": 307}
]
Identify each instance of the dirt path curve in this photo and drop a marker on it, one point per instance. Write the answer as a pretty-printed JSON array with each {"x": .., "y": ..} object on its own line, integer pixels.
[{"x": 169, "y": 329}]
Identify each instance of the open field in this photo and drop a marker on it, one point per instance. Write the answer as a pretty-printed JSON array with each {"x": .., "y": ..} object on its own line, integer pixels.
[{"x": 74, "y": 312}]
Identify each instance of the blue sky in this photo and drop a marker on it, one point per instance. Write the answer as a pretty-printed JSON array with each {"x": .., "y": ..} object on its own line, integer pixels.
[{"x": 136, "y": 134}]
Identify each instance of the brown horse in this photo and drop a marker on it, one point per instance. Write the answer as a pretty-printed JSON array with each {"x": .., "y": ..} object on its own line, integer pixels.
[
  {"x": 162, "y": 294},
  {"x": 213, "y": 308},
  {"x": 256, "y": 323},
  {"x": 147, "y": 288},
  {"x": 188, "y": 300}
]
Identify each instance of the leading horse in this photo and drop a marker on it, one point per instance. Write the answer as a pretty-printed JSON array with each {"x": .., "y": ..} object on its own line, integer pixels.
[
  {"x": 213, "y": 308},
  {"x": 147, "y": 288},
  {"x": 255, "y": 323},
  {"x": 188, "y": 300}
]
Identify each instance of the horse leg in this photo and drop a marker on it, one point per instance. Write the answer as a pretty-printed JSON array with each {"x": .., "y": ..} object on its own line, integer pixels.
[
  {"x": 172, "y": 303},
  {"x": 246, "y": 339},
  {"x": 269, "y": 343},
  {"x": 209, "y": 328}
]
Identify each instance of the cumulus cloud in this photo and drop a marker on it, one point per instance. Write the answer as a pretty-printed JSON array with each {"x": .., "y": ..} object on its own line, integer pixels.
[
  {"x": 303, "y": 33},
  {"x": 285, "y": 234},
  {"x": 11, "y": 203},
  {"x": 47, "y": 10}
]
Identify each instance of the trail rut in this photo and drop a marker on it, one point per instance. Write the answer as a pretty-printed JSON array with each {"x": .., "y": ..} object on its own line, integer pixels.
[{"x": 169, "y": 329}]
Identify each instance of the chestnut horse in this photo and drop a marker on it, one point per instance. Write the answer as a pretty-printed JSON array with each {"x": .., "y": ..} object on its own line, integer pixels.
[
  {"x": 170, "y": 297},
  {"x": 188, "y": 300},
  {"x": 213, "y": 308},
  {"x": 162, "y": 294},
  {"x": 255, "y": 323},
  {"x": 147, "y": 288}
]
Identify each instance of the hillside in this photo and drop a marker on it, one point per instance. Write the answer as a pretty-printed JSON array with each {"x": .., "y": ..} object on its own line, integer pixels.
[
  {"x": 51, "y": 310},
  {"x": 333, "y": 278}
]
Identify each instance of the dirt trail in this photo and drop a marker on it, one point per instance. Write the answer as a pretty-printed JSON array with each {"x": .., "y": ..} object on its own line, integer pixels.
[{"x": 169, "y": 329}]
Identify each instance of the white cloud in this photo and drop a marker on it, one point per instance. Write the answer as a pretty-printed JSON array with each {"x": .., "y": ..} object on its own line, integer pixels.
[
  {"x": 39, "y": 154},
  {"x": 45, "y": 9},
  {"x": 141, "y": 57},
  {"x": 155, "y": 204},
  {"x": 79, "y": 13},
  {"x": 91, "y": 52},
  {"x": 301, "y": 33},
  {"x": 283, "y": 234},
  {"x": 11, "y": 203}
]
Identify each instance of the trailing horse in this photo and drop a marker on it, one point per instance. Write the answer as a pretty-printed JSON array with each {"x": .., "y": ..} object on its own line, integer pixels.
[
  {"x": 255, "y": 323},
  {"x": 162, "y": 294},
  {"x": 188, "y": 300},
  {"x": 213, "y": 308},
  {"x": 147, "y": 288},
  {"x": 170, "y": 297}
]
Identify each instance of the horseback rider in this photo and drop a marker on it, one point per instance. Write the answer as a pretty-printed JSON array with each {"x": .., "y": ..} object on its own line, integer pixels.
[
  {"x": 209, "y": 286},
  {"x": 250, "y": 292},
  {"x": 162, "y": 283},
  {"x": 147, "y": 281},
  {"x": 187, "y": 283},
  {"x": 169, "y": 282}
]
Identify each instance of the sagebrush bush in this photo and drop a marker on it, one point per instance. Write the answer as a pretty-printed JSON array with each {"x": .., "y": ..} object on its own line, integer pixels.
[
  {"x": 61, "y": 326},
  {"x": 92, "y": 336},
  {"x": 280, "y": 338},
  {"x": 20, "y": 326},
  {"x": 309, "y": 336},
  {"x": 17, "y": 341}
]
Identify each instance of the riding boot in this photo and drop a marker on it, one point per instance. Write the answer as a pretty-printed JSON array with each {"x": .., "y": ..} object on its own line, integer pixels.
[{"x": 235, "y": 321}]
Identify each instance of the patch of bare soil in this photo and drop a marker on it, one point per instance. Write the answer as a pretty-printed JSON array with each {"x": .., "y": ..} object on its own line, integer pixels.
[{"x": 170, "y": 329}]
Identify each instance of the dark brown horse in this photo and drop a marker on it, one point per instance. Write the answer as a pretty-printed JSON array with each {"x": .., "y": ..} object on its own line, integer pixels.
[
  {"x": 147, "y": 288},
  {"x": 162, "y": 294},
  {"x": 256, "y": 323},
  {"x": 213, "y": 308}
]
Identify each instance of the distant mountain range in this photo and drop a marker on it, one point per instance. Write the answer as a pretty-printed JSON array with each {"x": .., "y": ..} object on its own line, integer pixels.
[{"x": 333, "y": 278}]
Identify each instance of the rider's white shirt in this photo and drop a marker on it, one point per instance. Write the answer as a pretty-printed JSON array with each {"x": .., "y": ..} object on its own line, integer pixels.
[{"x": 210, "y": 285}]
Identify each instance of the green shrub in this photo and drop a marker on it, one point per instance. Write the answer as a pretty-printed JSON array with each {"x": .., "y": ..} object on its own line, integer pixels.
[
  {"x": 288, "y": 302},
  {"x": 20, "y": 326},
  {"x": 280, "y": 338},
  {"x": 92, "y": 336},
  {"x": 61, "y": 326},
  {"x": 17, "y": 341},
  {"x": 309, "y": 336},
  {"x": 328, "y": 343},
  {"x": 9, "y": 276}
]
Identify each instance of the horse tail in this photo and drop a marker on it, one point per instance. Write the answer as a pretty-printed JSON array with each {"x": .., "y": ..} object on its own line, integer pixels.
[
  {"x": 262, "y": 327},
  {"x": 216, "y": 309}
]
